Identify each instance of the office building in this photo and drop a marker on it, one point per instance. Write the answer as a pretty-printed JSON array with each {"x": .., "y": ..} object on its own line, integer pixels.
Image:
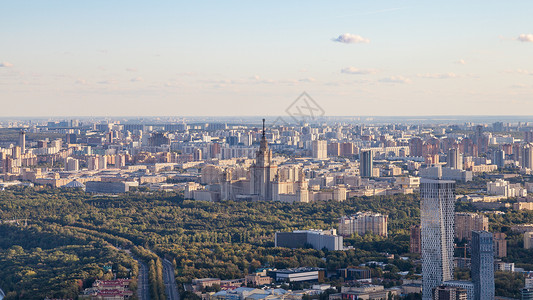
[
  {"x": 483, "y": 265},
  {"x": 437, "y": 225},
  {"x": 320, "y": 149},
  {"x": 366, "y": 164},
  {"x": 297, "y": 274},
  {"x": 317, "y": 238},
  {"x": 108, "y": 187},
  {"x": 465, "y": 223}
]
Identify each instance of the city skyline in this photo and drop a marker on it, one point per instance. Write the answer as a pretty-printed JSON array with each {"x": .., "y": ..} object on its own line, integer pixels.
[{"x": 213, "y": 59}]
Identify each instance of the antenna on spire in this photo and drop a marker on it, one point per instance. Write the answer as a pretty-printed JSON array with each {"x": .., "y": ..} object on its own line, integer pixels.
[{"x": 263, "y": 127}]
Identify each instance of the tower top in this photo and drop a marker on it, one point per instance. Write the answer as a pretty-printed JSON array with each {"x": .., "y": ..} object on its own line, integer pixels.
[{"x": 263, "y": 127}]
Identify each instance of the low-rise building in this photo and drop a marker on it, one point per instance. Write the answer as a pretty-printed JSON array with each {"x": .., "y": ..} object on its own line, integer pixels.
[
  {"x": 297, "y": 274},
  {"x": 317, "y": 238}
]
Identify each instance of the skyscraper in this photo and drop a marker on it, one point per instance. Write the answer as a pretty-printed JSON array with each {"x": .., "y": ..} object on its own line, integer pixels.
[
  {"x": 22, "y": 141},
  {"x": 437, "y": 225},
  {"x": 366, "y": 164},
  {"x": 526, "y": 157},
  {"x": 483, "y": 265},
  {"x": 455, "y": 159},
  {"x": 499, "y": 158},
  {"x": 262, "y": 172}
]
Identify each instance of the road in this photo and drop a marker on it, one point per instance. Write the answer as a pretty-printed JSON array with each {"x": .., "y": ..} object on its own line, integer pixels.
[
  {"x": 143, "y": 288},
  {"x": 170, "y": 280}
]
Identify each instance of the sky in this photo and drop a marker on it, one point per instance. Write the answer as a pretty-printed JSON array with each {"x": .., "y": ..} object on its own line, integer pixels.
[{"x": 229, "y": 58}]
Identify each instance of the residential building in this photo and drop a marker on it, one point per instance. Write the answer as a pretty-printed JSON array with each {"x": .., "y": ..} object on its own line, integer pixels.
[
  {"x": 320, "y": 149},
  {"x": 449, "y": 293},
  {"x": 465, "y": 223},
  {"x": 528, "y": 240},
  {"x": 437, "y": 224},
  {"x": 415, "y": 240},
  {"x": 483, "y": 265},
  {"x": 500, "y": 244},
  {"x": 362, "y": 223}
]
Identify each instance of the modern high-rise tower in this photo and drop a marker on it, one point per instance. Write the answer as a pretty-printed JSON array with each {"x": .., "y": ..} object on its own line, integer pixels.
[
  {"x": 455, "y": 159},
  {"x": 366, "y": 164},
  {"x": 437, "y": 225},
  {"x": 22, "y": 141},
  {"x": 483, "y": 265}
]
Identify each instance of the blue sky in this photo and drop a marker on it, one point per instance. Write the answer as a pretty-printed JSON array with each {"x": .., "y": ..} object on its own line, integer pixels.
[{"x": 67, "y": 58}]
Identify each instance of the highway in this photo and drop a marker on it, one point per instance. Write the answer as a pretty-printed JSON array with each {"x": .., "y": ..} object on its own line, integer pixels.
[
  {"x": 170, "y": 280},
  {"x": 143, "y": 289}
]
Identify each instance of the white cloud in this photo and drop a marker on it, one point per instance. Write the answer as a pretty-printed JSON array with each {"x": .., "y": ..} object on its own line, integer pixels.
[
  {"x": 460, "y": 62},
  {"x": 137, "y": 79},
  {"x": 6, "y": 64},
  {"x": 356, "y": 71},
  {"x": 438, "y": 75},
  {"x": 349, "y": 38},
  {"x": 131, "y": 69},
  {"x": 111, "y": 81},
  {"x": 525, "y": 37},
  {"x": 519, "y": 71},
  {"x": 309, "y": 79},
  {"x": 395, "y": 79}
]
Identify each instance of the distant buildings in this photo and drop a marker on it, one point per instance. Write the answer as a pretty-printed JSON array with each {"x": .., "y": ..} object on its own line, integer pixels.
[
  {"x": 528, "y": 240},
  {"x": 500, "y": 244},
  {"x": 108, "y": 187},
  {"x": 366, "y": 164},
  {"x": 465, "y": 223},
  {"x": 437, "y": 224},
  {"x": 320, "y": 149},
  {"x": 445, "y": 173},
  {"x": 455, "y": 159},
  {"x": 362, "y": 223},
  {"x": 501, "y": 187},
  {"x": 415, "y": 240},
  {"x": 318, "y": 239}
]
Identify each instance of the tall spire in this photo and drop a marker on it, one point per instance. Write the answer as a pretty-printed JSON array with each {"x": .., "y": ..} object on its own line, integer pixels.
[{"x": 263, "y": 128}]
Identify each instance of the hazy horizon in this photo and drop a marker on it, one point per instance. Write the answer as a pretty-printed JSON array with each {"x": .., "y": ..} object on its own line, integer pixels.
[{"x": 242, "y": 58}]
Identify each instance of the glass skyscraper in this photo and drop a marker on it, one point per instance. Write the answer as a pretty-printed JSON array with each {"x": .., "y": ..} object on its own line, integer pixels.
[
  {"x": 483, "y": 265},
  {"x": 437, "y": 226}
]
